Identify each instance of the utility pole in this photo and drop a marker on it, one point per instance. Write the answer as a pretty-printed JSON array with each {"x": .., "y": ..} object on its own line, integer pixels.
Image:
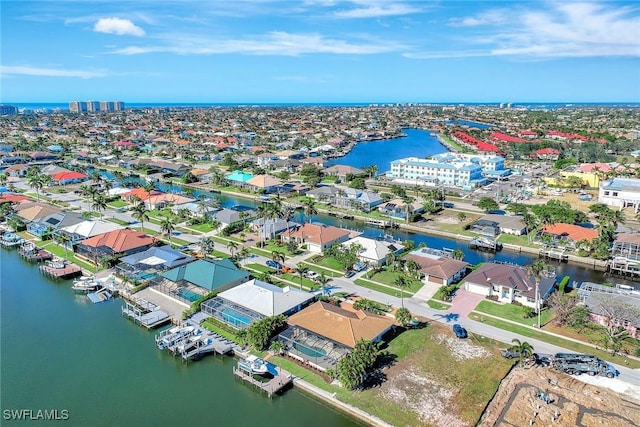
[{"x": 538, "y": 301}]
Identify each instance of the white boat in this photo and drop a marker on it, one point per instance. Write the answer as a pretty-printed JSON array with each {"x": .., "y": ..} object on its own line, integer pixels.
[
  {"x": 86, "y": 284},
  {"x": 173, "y": 338},
  {"x": 256, "y": 365},
  {"x": 188, "y": 344}
]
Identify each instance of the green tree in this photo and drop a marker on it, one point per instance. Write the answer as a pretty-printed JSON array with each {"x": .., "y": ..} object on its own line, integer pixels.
[
  {"x": 403, "y": 316},
  {"x": 462, "y": 216},
  {"x": 278, "y": 257},
  {"x": 36, "y": 181},
  {"x": 458, "y": 254},
  {"x": 523, "y": 348},
  {"x": 140, "y": 213},
  {"x": 233, "y": 248},
  {"x": 302, "y": 271},
  {"x": 309, "y": 208},
  {"x": 352, "y": 369},
  {"x": 207, "y": 245},
  {"x": 401, "y": 282},
  {"x": 99, "y": 204},
  {"x": 323, "y": 281},
  {"x": 487, "y": 204},
  {"x": 167, "y": 227}
]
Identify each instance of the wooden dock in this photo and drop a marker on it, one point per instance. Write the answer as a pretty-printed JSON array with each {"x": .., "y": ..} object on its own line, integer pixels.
[
  {"x": 485, "y": 244},
  {"x": 64, "y": 271},
  {"x": 38, "y": 255},
  {"x": 149, "y": 317},
  {"x": 556, "y": 254},
  {"x": 624, "y": 267},
  {"x": 272, "y": 386}
]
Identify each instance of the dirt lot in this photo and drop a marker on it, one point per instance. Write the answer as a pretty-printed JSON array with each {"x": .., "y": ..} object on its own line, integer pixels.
[{"x": 574, "y": 402}]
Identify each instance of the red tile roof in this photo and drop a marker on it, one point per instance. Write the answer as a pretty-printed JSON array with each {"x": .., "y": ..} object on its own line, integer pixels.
[
  {"x": 573, "y": 232},
  {"x": 503, "y": 137},
  {"x": 120, "y": 240},
  {"x": 64, "y": 176}
]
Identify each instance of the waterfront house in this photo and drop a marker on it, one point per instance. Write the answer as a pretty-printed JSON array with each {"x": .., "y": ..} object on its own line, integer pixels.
[
  {"x": 398, "y": 208},
  {"x": 239, "y": 178},
  {"x": 627, "y": 245},
  {"x": 113, "y": 244},
  {"x": 145, "y": 265},
  {"x": 373, "y": 251},
  {"x": 34, "y": 211},
  {"x": 510, "y": 283},
  {"x": 264, "y": 183},
  {"x": 48, "y": 225},
  {"x": 341, "y": 171},
  {"x": 254, "y": 300},
  {"x": 568, "y": 233},
  {"x": 323, "y": 333},
  {"x": 437, "y": 269},
  {"x": 85, "y": 229},
  {"x": 599, "y": 300},
  {"x": 494, "y": 224},
  {"x": 65, "y": 178},
  {"x": 231, "y": 216},
  {"x": 324, "y": 193},
  {"x": 621, "y": 193},
  {"x": 317, "y": 237},
  {"x": 159, "y": 201},
  {"x": 365, "y": 200},
  {"x": 17, "y": 171},
  {"x": 268, "y": 228},
  {"x": 192, "y": 281}
]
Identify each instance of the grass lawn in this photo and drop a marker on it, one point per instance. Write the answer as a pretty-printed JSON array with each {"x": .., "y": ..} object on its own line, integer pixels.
[
  {"x": 271, "y": 246},
  {"x": 437, "y": 305},
  {"x": 517, "y": 240},
  {"x": 186, "y": 230},
  {"x": 328, "y": 262},
  {"x": 58, "y": 250},
  {"x": 319, "y": 270},
  {"x": 118, "y": 203},
  {"x": 300, "y": 372},
  {"x": 513, "y": 312},
  {"x": 456, "y": 228},
  {"x": 295, "y": 278},
  {"x": 204, "y": 228},
  {"x": 214, "y": 328},
  {"x": 551, "y": 339},
  {"x": 118, "y": 221},
  {"x": 389, "y": 277},
  {"x": 375, "y": 287},
  {"x": 261, "y": 268}
]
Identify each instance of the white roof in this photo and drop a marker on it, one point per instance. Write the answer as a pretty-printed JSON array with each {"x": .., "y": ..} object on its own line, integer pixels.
[
  {"x": 152, "y": 260},
  {"x": 91, "y": 228},
  {"x": 264, "y": 298},
  {"x": 118, "y": 191},
  {"x": 372, "y": 249}
]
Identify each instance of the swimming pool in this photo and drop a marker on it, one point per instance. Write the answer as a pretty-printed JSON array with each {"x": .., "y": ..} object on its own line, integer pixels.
[
  {"x": 234, "y": 318},
  {"x": 310, "y": 351},
  {"x": 188, "y": 295}
]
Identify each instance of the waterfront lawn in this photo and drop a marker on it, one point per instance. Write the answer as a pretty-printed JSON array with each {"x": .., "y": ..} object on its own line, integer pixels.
[
  {"x": 552, "y": 339},
  {"x": 437, "y": 305},
  {"x": 59, "y": 251},
  {"x": 214, "y": 326},
  {"x": 513, "y": 312},
  {"x": 517, "y": 240},
  {"x": 380, "y": 288},
  {"x": 472, "y": 382}
]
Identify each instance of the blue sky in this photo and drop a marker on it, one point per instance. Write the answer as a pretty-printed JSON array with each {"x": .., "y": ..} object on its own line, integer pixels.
[{"x": 319, "y": 51}]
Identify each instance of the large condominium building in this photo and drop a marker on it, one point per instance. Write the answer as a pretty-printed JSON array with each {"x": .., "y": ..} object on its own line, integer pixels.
[
  {"x": 413, "y": 170},
  {"x": 93, "y": 106},
  {"x": 8, "y": 110},
  {"x": 620, "y": 192},
  {"x": 458, "y": 170}
]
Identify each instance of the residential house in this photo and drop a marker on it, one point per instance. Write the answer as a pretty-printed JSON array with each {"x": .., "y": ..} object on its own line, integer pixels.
[
  {"x": 254, "y": 300},
  {"x": 45, "y": 227},
  {"x": 65, "y": 178},
  {"x": 365, "y": 200},
  {"x": 230, "y": 216},
  {"x": 264, "y": 183},
  {"x": 144, "y": 266},
  {"x": 374, "y": 252},
  {"x": 324, "y": 193},
  {"x": 621, "y": 193},
  {"x": 85, "y": 229},
  {"x": 627, "y": 245},
  {"x": 437, "y": 269},
  {"x": 569, "y": 233},
  {"x": 113, "y": 244},
  {"x": 598, "y": 298},
  {"x": 17, "y": 171},
  {"x": 397, "y": 208},
  {"x": 317, "y": 237},
  {"x": 34, "y": 211},
  {"x": 268, "y": 228},
  {"x": 192, "y": 281},
  {"x": 510, "y": 283},
  {"x": 323, "y": 333},
  {"x": 238, "y": 177},
  {"x": 494, "y": 224},
  {"x": 341, "y": 171},
  {"x": 159, "y": 201}
]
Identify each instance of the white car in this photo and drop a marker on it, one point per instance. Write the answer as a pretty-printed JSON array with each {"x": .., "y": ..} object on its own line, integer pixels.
[{"x": 312, "y": 275}]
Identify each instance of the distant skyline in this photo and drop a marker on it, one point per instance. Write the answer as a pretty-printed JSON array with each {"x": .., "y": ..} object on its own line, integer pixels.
[{"x": 319, "y": 51}]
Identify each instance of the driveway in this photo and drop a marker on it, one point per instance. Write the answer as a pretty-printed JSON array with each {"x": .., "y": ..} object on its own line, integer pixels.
[{"x": 464, "y": 302}]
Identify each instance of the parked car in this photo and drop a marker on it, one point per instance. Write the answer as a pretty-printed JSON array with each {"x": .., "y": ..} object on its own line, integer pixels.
[
  {"x": 509, "y": 354},
  {"x": 459, "y": 331},
  {"x": 287, "y": 269},
  {"x": 359, "y": 266},
  {"x": 312, "y": 275},
  {"x": 273, "y": 264},
  {"x": 349, "y": 274}
]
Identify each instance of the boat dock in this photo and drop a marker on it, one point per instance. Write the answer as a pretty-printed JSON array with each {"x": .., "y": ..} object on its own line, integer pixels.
[
  {"x": 10, "y": 240},
  {"x": 99, "y": 296},
  {"x": 379, "y": 223},
  {"x": 145, "y": 313},
  {"x": 270, "y": 386},
  {"x": 60, "y": 270},
  {"x": 556, "y": 254},
  {"x": 624, "y": 267},
  {"x": 32, "y": 253},
  {"x": 208, "y": 343},
  {"x": 191, "y": 342},
  {"x": 485, "y": 244}
]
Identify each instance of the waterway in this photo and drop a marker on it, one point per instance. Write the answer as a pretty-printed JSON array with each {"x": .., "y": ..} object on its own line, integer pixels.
[
  {"x": 416, "y": 143},
  {"x": 61, "y": 352}
]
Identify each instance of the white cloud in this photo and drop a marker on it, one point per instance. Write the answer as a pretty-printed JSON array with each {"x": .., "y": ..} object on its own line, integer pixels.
[
  {"x": 118, "y": 26},
  {"x": 273, "y": 43},
  {"x": 564, "y": 30},
  {"x": 369, "y": 10},
  {"x": 6, "y": 70}
]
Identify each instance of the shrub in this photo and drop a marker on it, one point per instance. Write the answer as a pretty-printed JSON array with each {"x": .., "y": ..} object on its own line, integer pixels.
[{"x": 563, "y": 284}]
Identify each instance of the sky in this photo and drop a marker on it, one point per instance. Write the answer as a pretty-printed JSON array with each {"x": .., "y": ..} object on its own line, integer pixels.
[{"x": 319, "y": 51}]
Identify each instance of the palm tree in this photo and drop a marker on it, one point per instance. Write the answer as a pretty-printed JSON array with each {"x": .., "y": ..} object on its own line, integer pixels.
[
  {"x": 140, "y": 213},
  {"x": 523, "y": 348},
  {"x": 302, "y": 271},
  {"x": 3, "y": 178},
  {"x": 167, "y": 227},
  {"x": 401, "y": 282},
  {"x": 458, "y": 254},
  {"x": 244, "y": 253},
  {"x": 207, "y": 245},
  {"x": 36, "y": 181},
  {"x": 323, "y": 280},
  {"x": 233, "y": 247},
  {"x": 99, "y": 204},
  {"x": 278, "y": 257},
  {"x": 309, "y": 206}
]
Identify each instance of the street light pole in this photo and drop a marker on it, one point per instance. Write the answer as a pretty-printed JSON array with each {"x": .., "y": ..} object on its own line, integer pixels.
[{"x": 538, "y": 301}]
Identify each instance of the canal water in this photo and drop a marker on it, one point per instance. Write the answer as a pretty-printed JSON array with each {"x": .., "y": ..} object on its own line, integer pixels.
[
  {"x": 416, "y": 143},
  {"x": 60, "y": 352}
]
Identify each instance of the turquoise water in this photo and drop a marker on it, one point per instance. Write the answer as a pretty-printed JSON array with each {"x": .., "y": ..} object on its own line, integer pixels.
[
  {"x": 59, "y": 351},
  {"x": 310, "y": 351},
  {"x": 236, "y": 318},
  {"x": 189, "y": 295}
]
